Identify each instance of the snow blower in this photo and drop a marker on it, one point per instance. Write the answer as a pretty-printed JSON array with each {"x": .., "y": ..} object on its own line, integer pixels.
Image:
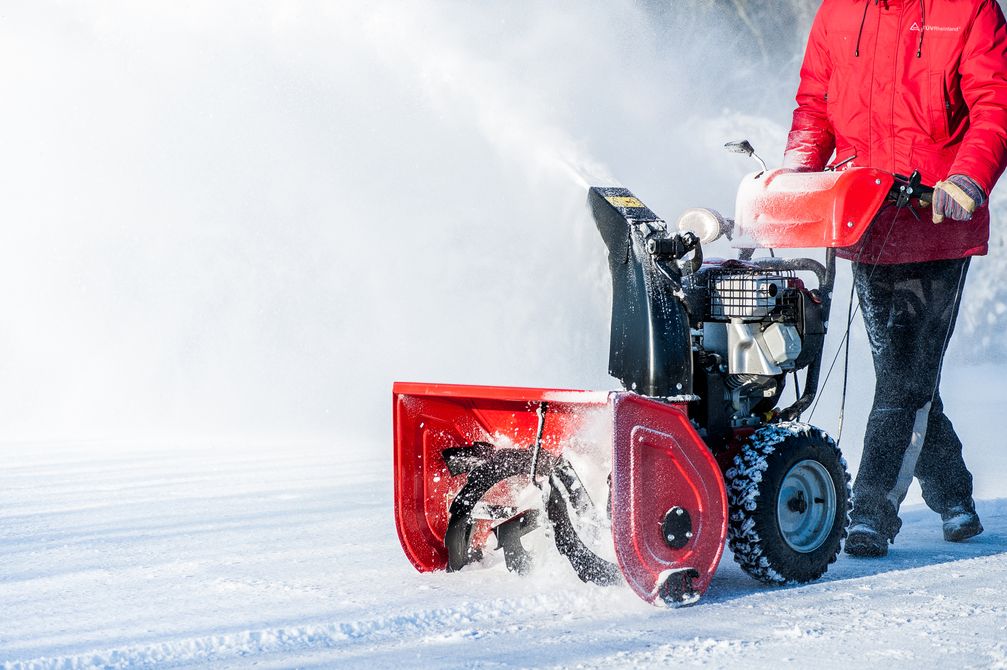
[{"x": 648, "y": 484}]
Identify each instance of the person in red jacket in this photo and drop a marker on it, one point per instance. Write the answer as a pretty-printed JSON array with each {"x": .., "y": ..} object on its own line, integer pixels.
[{"x": 906, "y": 85}]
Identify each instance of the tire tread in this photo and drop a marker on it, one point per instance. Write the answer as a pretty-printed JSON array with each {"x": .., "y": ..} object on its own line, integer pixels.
[{"x": 764, "y": 451}]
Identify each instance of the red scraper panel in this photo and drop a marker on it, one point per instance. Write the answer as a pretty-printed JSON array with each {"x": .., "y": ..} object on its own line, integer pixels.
[
  {"x": 804, "y": 210},
  {"x": 660, "y": 465}
]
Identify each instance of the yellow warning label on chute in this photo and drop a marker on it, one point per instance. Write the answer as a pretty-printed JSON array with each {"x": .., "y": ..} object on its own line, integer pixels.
[{"x": 624, "y": 201}]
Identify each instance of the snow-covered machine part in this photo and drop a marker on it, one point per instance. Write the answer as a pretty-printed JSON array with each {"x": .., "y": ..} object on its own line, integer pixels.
[
  {"x": 783, "y": 209},
  {"x": 706, "y": 224},
  {"x": 463, "y": 448},
  {"x": 754, "y": 322},
  {"x": 650, "y": 340},
  {"x": 745, "y": 296}
]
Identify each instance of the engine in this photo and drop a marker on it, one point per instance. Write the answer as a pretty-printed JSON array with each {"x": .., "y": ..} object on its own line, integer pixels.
[
  {"x": 751, "y": 327},
  {"x": 721, "y": 335}
]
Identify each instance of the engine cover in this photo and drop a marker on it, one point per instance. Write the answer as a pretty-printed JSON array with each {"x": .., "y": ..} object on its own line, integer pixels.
[{"x": 751, "y": 349}]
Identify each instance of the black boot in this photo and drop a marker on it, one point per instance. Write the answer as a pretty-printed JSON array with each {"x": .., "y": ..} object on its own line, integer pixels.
[
  {"x": 960, "y": 522},
  {"x": 865, "y": 541},
  {"x": 872, "y": 529}
]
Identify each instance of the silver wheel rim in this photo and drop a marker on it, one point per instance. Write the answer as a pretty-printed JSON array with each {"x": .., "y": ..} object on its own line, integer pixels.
[{"x": 806, "y": 506}]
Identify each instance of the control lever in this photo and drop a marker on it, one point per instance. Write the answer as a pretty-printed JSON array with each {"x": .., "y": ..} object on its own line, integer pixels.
[{"x": 907, "y": 188}]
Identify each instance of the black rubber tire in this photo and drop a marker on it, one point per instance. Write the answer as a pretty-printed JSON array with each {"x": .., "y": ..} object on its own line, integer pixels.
[{"x": 753, "y": 488}]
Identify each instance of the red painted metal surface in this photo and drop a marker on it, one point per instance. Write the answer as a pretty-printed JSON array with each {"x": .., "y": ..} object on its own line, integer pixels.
[
  {"x": 803, "y": 210},
  {"x": 429, "y": 418},
  {"x": 660, "y": 462}
]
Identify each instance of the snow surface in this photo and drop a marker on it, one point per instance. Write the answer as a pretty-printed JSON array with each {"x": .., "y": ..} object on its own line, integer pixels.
[{"x": 282, "y": 555}]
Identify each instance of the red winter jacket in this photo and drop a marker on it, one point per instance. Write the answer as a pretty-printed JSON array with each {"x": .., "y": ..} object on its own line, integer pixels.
[{"x": 905, "y": 85}]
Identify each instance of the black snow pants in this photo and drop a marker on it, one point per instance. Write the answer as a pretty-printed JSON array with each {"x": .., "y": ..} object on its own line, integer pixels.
[{"x": 910, "y": 312}]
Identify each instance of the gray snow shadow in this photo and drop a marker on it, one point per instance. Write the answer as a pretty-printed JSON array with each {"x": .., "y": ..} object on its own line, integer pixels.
[{"x": 919, "y": 544}]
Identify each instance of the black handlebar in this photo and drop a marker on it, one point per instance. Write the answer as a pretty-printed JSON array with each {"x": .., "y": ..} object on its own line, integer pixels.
[{"x": 907, "y": 188}]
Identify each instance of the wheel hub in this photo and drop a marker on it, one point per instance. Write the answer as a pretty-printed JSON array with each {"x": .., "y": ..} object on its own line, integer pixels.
[{"x": 806, "y": 507}]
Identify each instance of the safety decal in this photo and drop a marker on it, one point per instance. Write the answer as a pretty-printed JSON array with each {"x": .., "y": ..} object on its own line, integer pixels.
[{"x": 624, "y": 202}]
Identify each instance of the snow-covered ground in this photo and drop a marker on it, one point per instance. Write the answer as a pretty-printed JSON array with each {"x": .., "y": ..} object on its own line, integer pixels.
[{"x": 226, "y": 554}]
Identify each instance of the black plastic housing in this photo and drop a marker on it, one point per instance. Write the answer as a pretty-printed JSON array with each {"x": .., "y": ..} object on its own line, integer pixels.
[{"x": 651, "y": 345}]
